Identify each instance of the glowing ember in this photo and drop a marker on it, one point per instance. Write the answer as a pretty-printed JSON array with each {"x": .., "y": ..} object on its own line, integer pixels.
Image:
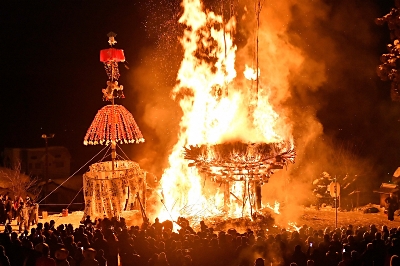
[
  {"x": 219, "y": 108},
  {"x": 250, "y": 73},
  {"x": 294, "y": 226},
  {"x": 275, "y": 208}
]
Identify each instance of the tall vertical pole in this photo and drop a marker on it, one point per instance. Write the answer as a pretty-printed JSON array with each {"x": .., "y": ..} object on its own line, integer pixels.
[
  {"x": 258, "y": 8},
  {"x": 227, "y": 196},
  {"x": 336, "y": 197},
  {"x": 257, "y": 185},
  {"x": 225, "y": 89},
  {"x": 46, "y": 161},
  {"x": 46, "y": 175},
  {"x": 113, "y": 128}
]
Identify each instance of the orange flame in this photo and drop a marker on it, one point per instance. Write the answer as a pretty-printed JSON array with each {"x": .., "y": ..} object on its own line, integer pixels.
[
  {"x": 294, "y": 226},
  {"x": 215, "y": 105},
  {"x": 275, "y": 208},
  {"x": 250, "y": 73}
]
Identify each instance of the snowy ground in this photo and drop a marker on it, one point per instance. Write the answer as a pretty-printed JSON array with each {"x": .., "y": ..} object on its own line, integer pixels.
[{"x": 317, "y": 219}]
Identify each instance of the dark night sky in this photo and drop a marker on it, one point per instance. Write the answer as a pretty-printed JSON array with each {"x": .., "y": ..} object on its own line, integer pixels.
[{"x": 52, "y": 77}]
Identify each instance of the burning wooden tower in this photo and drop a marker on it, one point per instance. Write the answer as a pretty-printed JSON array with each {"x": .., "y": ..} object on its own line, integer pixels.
[{"x": 247, "y": 163}]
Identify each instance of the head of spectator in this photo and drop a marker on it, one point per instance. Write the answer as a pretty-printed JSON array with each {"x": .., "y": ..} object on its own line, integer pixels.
[
  {"x": 69, "y": 240},
  {"x": 395, "y": 242},
  {"x": 43, "y": 248},
  {"x": 61, "y": 254},
  {"x": 89, "y": 253},
  {"x": 259, "y": 262},
  {"x": 373, "y": 229},
  {"x": 14, "y": 236},
  {"x": 297, "y": 249},
  {"x": 26, "y": 243},
  {"x": 295, "y": 235},
  {"x": 7, "y": 228},
  {"x": 162, "y": 256},
  {"x": 395, "y": 260},
  {"x": 187, "y": 260},
  {"x": 354, "y": 255},
  {"x": 244, "y": 240},
  {"x": 70, "y": 228},
  {"x": 331, "y": 249}
]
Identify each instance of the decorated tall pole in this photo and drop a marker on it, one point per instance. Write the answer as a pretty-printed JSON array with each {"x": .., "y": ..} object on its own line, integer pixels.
[
  {"x": 113, "y": 123},
  {"x": 108, "y": 193}
]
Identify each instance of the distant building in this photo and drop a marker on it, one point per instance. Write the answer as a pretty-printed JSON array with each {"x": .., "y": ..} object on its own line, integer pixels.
[
  {"x": 33, "y": 161},
  {"x": 62, "y": 193}
]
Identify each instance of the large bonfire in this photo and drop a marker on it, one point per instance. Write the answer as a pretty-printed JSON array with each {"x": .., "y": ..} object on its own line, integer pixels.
[{"x": 231, "y": 138}]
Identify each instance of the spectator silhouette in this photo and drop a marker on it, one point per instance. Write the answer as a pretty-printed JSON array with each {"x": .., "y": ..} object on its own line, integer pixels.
[
  {"x": 395, "y": 260},
  {"x": 4, "y": 261},
  {"x": 368, "y": 256},
  {"x": 89, "y": 258},
  {"x": 162, "y": 260},
  {"x": 298, "y": 256},
  {"x": 259, "y": 262},
  {"x": 44, "y": 259},
  {"x": 101, "y": 259}
]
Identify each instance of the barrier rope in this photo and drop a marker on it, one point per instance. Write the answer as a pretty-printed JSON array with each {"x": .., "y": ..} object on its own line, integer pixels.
[
  {"x": 105, "y": 154},
  {"x": 74, "y": 198},
  {"x": 72, "y": 175},
  {"x": 55, "y": 222},
  {"x": 126, "y": 156},
  {"x": 57, "y": 204}
]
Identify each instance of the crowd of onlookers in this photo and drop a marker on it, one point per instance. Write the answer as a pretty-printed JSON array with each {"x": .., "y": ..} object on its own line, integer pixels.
[
  {"x": 25, "y": 212},
  {"x": 111, "y": 242}
]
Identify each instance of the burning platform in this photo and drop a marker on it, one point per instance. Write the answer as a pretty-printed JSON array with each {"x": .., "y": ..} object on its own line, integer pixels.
[
  {"x": 249, "y": 164},
  {"x": 236, "y": 161}
]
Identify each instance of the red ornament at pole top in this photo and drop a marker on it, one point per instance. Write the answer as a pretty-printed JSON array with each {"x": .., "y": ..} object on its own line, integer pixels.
[
  {"x": 112, "y": 54},
  {"x": 111, "y": 57},
  {"x": 113, "y": 123}
]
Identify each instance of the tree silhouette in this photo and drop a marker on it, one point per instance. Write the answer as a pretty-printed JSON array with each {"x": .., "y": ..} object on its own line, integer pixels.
[
  {"x": 389, "y": 69},
  {"x": 19, "y": 184}
]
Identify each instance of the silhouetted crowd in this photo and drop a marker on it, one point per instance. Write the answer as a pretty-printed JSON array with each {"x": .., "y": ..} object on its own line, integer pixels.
[
  {"x": 26, "y": 213},
  {"x": 111, "y": 242}
]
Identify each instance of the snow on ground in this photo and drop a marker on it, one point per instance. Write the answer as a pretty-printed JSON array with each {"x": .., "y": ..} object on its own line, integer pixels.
[
  {"x": 317, "y": 219},
  {"x": 74, "y": 218}
]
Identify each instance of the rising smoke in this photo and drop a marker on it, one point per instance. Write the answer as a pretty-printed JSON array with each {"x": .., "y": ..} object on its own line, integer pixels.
[{"x": 317, "y": 58}]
